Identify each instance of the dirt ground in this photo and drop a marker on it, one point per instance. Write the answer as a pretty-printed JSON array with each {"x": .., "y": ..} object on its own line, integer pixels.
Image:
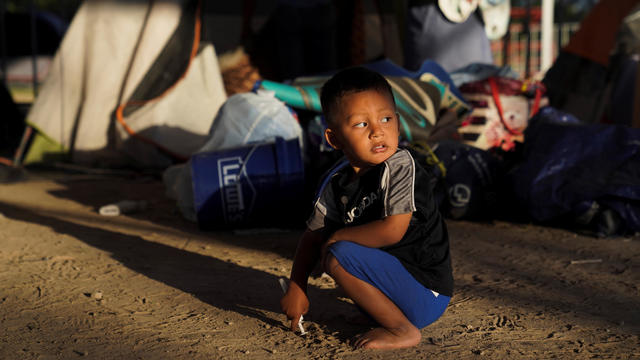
[{"x": 151, "y": 285}]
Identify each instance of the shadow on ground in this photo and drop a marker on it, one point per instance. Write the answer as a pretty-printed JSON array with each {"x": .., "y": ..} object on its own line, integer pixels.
[
  {"x": 164, "y": 211},
  {"x": 224, "y": 285},
  {"x": 532, "y": 272}
]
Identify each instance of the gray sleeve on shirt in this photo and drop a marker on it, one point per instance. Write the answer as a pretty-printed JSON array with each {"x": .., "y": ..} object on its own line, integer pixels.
[
  {"x": 398, "y": 183},
  {"x": 323, "y": 208}
]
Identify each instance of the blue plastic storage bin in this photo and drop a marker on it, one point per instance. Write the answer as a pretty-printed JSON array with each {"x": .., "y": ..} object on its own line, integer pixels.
[{"x": 253, "y": 186}]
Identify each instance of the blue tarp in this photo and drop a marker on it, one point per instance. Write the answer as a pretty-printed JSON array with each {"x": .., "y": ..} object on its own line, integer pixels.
[{"x": 567, "y": 164}]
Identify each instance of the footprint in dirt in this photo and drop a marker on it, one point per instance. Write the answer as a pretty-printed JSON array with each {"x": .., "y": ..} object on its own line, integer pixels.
[{"x": 502, "y": 321}]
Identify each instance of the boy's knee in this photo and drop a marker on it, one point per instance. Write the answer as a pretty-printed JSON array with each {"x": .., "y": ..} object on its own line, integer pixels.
[
  {"x": 340, "y": 249},
  {"x": 330, "y": 263},
  {"x": 344, "y": 248}
]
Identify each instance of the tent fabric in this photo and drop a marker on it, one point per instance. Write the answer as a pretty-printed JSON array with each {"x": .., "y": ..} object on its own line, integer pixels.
[
  {"x": 597, "y": 34},
  {"x": 117, "y": 53}
]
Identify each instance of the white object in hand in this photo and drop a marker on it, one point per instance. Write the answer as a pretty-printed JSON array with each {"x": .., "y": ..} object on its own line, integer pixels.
[{"x": 284, "y": 286}]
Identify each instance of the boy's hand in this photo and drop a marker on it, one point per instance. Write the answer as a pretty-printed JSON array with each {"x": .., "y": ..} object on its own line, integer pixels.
[{"x": 294, "y": 304}]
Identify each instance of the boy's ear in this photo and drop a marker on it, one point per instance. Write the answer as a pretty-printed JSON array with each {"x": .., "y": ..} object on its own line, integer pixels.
[{"x": 332, "y": 139}]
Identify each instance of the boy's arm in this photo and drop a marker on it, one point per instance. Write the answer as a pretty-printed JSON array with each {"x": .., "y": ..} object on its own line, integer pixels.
[
  {"x": 295, "y": 303},
  {"x": 375, "y": 234},
  {"x": 306, "y": 258}
]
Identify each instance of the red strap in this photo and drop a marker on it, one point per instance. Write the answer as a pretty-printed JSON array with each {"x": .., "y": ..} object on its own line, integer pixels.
[{"x": 496, "y": 99}]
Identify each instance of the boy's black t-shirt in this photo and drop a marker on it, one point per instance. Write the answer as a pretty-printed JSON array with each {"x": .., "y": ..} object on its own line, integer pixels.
[{"x": 396, "y": 186}]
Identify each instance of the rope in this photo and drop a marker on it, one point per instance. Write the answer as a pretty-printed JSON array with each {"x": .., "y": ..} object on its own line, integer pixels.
[
  {"x": 496, "y": 98},
  {"x": 121, "y": 107}
]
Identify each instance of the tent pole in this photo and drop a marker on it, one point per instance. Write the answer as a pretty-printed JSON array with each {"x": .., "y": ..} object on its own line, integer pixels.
[
  {"x": 547, "y": 35},
  {"x": 505, "y": 46},
  {"x": 19, "y": 155},
  {"x": 559, "y": 20},
  {"x": 3, "y": 43},
  {"x": 34, "y": 51},
  {"x": 527, "y": 32}
]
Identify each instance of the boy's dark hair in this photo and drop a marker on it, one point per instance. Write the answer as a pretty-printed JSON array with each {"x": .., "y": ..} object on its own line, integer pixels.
[{"x": 348, "y": 81}]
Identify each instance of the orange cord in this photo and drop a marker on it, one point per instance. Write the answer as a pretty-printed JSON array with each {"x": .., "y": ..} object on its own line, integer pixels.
[
  {"x": 121, "y": 107},
  {"x": 6, "y": 161}
]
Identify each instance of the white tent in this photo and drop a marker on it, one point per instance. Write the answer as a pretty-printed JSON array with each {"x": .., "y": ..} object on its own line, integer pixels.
[{"x": 131, "y": 84}]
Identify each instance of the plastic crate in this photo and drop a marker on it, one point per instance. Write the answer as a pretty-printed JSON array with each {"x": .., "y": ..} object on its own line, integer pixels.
[{"x": 253, "y": 186}]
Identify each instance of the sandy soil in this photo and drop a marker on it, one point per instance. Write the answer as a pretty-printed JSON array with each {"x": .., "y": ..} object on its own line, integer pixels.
[{"x": 152, "y": 286}]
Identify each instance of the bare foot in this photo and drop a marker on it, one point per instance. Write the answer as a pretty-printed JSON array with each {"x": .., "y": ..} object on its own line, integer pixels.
[{"x": 381, "y": 338}]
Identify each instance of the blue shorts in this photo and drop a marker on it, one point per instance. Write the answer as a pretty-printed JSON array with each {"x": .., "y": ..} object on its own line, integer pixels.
[{"x": 384, "y": 271}]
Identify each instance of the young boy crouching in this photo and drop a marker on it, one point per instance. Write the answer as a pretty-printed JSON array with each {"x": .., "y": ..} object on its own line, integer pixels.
[{"x": 375, "y": 226}]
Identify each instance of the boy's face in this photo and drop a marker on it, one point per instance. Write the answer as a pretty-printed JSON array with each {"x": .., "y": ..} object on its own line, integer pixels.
[{"x": 365, "y": 127}]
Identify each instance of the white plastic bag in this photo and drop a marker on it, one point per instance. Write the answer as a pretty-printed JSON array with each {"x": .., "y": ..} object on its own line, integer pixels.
[{"x": 251, "y": 118}]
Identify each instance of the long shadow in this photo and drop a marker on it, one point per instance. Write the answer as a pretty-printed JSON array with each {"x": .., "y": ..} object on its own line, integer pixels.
[
  {"x": 162, "y": 210},
  {"x": 582, "y": 299},
  {"x": 567, "y": 291},
  {"x": 221, "y": 284}
]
